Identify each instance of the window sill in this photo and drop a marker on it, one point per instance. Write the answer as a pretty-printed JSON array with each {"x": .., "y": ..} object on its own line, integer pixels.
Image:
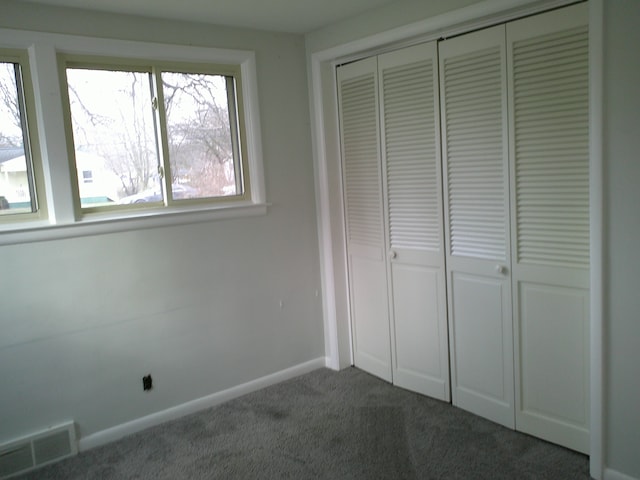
[{"x": 99, "y": 224}]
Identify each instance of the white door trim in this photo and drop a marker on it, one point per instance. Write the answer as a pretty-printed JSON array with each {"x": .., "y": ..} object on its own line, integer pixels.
[
  {"x": 597, "y": 229},
  {"x": 326, "y": 152}
]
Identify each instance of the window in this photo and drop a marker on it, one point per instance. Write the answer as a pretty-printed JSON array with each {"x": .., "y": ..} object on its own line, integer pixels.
[
  {"x": 18, "y": 198},
  {"x": 132, "y": 135},
  {"x": 155, "y": 135}
]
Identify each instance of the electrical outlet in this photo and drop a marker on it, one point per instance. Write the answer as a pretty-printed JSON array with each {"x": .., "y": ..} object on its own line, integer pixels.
[{"x": 147, "y": 382}]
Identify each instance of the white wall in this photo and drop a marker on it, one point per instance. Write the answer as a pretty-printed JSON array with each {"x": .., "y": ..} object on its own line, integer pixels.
[
  {"x": 622, "y": 238},
  {"x": 197, "y": 306},
  {"x": 392, "y": 15}
]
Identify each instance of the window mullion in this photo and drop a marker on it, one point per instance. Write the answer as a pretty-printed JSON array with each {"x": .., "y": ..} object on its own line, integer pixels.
[
  {"x": 53, "y": 141},
  {"x": 160, "y": 118}
]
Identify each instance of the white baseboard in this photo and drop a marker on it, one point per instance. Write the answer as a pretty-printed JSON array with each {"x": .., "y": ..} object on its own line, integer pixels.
[
  {"x": 610, "y": 474},
  {"x": 114, "y": 433}
]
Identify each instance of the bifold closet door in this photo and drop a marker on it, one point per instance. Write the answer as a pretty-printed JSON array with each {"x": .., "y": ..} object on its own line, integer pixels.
[
  {"x": 409, "y": 115},
  {"x": 362, "y": 181},
  {"x": 549, "y": 125},
  {"x": 473, "y": 100}
]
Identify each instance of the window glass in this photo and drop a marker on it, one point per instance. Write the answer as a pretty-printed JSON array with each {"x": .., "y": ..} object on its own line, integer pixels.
[
  {"x": 130, "y": 151},
  {"x": 202, "y": 146},
  {"x": 17, "y": 192},
  {"x": 113, "y": 123}
]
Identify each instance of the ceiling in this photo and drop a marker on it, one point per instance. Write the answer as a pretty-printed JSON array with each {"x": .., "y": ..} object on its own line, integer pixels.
[{"x": 294, "y": 16}]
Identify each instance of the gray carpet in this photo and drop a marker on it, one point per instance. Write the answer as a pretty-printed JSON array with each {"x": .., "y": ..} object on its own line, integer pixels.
[{"x": 326, "y": 425}]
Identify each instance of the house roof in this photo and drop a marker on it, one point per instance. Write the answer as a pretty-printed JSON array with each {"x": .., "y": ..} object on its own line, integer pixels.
[{"x": 9, "y": 153}]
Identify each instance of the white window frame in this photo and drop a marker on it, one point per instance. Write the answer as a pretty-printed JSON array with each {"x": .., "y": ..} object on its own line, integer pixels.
[
  {"x": 31, "y": 143},
  {"x": 156, "y": 69},
  {"x": 64, "y": 220}
]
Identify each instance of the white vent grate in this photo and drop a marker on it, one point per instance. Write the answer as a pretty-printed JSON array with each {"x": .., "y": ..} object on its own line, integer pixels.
[
  {"x": 475, "y": 149},
  {"x": 551, "y": 121},
  {"x": 411, "y": 156},
  {"x": 15, "y": 459},
  {"x": 36, "y": 450}
]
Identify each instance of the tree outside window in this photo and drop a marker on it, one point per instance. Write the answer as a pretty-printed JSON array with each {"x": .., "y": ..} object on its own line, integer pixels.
[
  {"x": 17, "y": 190},
  {"x": 154, "y": 136}
]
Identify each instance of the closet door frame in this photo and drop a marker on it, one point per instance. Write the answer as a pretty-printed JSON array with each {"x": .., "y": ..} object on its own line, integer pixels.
[{"x": 322, "y": 63}]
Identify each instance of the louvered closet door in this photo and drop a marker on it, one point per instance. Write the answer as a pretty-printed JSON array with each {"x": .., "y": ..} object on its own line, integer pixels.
[
  {"x": 358, "y": 105},
  {"x": 548, "y": 81},
  {"x": 475, "y": 154},
  {"x": 413, "y": 209}
]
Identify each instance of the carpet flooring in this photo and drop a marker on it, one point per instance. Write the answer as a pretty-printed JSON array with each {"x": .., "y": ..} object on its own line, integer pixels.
[{"x": 325, "y": 425}]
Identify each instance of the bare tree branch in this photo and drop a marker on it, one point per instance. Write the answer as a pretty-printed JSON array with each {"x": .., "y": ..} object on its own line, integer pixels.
[{"x": 9, "y": 104}]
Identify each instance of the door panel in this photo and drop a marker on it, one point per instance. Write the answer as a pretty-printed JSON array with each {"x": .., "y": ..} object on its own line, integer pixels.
[
  {"x": 417, "y": 302},
  {"x": 359, "y": 127},
  {"x": 552, "y": 362},
  {"x": 413, "y": 211},
  {"x": 549, "y": 124},
  {"x": 481, "y": 335},
  {"x": 476, "y": 179},
  {"x": 478, "y": 336},
  {"x": 553, "y": 377},
  {"x": 369, "y": 315}
]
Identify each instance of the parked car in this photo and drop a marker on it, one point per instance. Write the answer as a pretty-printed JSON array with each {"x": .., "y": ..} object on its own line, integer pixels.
[
  {"x": 4, "y": 203},
  {"x": 155, "y": 194}
]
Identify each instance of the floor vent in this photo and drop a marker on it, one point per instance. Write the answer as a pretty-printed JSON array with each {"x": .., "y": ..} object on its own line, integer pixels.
[{"x": 36, "y": 450}]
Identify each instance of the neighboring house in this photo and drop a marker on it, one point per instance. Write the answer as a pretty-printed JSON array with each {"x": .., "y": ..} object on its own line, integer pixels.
[
  {"x": 97, "y": 184},
  {"x": 14, "y": 186}
]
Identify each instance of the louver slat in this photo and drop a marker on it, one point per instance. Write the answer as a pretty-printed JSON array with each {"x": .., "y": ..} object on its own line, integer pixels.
[
  {"x": 361, "y": 166},
  {"x": 551, "y": 149},
  {"x": 475, "y": 162},
  {"x": 411, "y": 156}
]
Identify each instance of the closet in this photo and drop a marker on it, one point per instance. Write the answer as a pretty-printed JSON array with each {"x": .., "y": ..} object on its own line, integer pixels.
[{"x": 465, "y": 179}]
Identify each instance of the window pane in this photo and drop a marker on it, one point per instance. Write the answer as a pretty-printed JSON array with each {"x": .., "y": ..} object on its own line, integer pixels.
[
  {"x": 201, "y": 143},
  {"x": 114, "y": 135},
  {"x": 16, "y": 180}
]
